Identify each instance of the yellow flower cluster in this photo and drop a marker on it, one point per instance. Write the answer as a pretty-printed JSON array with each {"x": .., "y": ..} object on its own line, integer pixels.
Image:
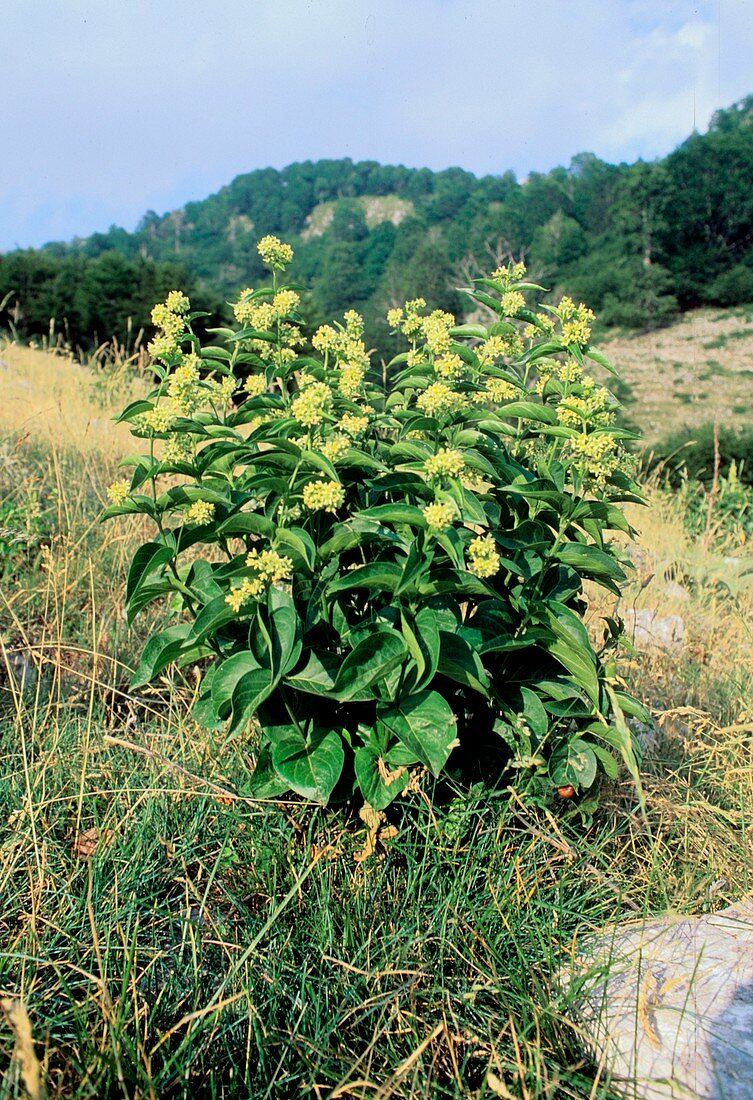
[
  {"x": 512, "y": 302},
  {"x": 178, "y": 448},
  {"x": 351, "y": 380},
  {"x": 439, "y": 515},
  {"x": 597, "y": 453},
  {"x": 569, "y": 372},
  {"x": 445, "y": 463},
  {"x": 184, "y": 387},
  {"x": 335, "y": 448},
  {"x": 325, "y": 496},
  {"x": 169, "y": 323},
  {"x": 592, "y": 408},
  {"x": 285, "y": 301},
  {"x": 266, "y": 316},
  {"x": 509, "y": 274},
  {"x": 312, "y": 404},
  {"x": 119, "y": 491},
  {"x": 345, "y": 344},
  {"x": 158, "y": 419},
  {"x": 274, "y": 253},
  {"x": 546, "y": 326},
  {"x": 436, "y": 330},
  {"x": 250, "y": 588},
  {"x": 254, "y": 384},
  {"x": 269, "y": 567},
  {"x": 449, "y": 366},
  {"x": 485, "y": 560},
  {"x": 439, "y": 400},
  {"x": 168, "y": 318},
  {"x": 177, "y": 302},
  {"x": 496, "y": 390},
  {"x": 498, "y": 347},
  {"x": 352, "y": 424},
  {"x": 200, "y": 512},
  {"x": 576, "y": 322},
  {"x": 408, "y": 320}
]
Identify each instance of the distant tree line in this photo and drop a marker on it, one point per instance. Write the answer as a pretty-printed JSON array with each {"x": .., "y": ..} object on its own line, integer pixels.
[{"x": 633, "y": 241}]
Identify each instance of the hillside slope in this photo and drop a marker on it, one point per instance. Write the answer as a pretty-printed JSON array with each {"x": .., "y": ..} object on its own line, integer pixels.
[{"x": 692, "y": 372}]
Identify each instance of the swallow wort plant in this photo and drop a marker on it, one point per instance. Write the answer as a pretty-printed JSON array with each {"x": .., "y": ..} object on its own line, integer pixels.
[{"x": 378, "y": 576}]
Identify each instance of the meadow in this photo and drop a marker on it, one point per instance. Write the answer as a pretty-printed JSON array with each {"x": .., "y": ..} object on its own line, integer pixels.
[{"x": 169, "y": 935}]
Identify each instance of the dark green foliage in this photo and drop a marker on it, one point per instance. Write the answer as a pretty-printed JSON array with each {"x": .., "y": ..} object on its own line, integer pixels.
[
  {"x": 395, "y": 564},
  {"x": 88, "y": 298},
  {"x": 690, "y": 452}
]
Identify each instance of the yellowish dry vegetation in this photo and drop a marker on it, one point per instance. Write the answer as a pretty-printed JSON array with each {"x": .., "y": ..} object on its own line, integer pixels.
[
  {"x": 696, "y": 370},
  {"x": 52, "y": 398}
]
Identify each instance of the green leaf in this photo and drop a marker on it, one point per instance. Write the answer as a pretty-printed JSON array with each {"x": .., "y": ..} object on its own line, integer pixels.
[
  {"x": 382, "y": 575},
  {"x": 145, "y": 595},
  {"x": 226, "y": 678},
  {"x": 248, "y": 694},
  {"x": 284, "y": 632},
  {"x": 187, "y": 494},
  {"x": 310, "y": 766},
  {"x": 134, "y": 409},
  {"x": 534, "y": 712},
  {"x": 395, "y": 513},
  {"x": 465, "y": 332},
  {"x": 371, "y": 660},
  {"x": 422, "y": 638},
  {"x": 624, "y": 743},
  {"x": 147, "y": 558},
  {"x": 590, "y": 562},
  {"x": 299, "y": 541},
  {"x": 318, "y": 675},
  {"x": 459, "y": 662},
  {"x": 379, "y": 783},
  {"x": 601, "y": 359},
  {"x": 247, "y": 523},
  {"x": 159, "y": 652},
  {"x": 572, "y": 647},
  {"x": 573, "y": 764},
  {"x": 425, "y": 724},
  {"x": 214, "y": 614},
  {"x": 529, "y": 410},
  {"x": 264, "y": 781},
  {"x": 608, "y": 763}
]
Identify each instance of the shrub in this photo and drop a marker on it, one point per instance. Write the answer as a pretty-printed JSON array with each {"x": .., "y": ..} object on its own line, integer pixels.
[{"x": 382, "y": 565}]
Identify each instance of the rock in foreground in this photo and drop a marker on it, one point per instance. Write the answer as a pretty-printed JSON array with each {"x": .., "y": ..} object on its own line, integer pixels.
[{"x": 666, "y": 1006}]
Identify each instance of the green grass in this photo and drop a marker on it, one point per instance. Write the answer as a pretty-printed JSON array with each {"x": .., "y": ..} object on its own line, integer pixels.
[
  {"x": 217, "y": 946},
  {"x": 241, "y": 949}
]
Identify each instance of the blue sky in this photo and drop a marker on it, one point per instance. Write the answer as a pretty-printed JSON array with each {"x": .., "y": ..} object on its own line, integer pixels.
[{"x": 114, "y": 107}]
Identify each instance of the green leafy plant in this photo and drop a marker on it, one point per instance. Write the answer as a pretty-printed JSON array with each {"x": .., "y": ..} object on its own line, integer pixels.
[{"x": 384, "y": 568}]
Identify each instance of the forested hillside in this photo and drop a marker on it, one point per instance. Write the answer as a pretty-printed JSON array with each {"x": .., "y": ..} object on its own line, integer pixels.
[{"x": 639, "y": 243}]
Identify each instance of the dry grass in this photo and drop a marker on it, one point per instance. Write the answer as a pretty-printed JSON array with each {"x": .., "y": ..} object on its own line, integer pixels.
[
  {"x": 696, "y": 370},
  {"x": 53, "y": 399}
]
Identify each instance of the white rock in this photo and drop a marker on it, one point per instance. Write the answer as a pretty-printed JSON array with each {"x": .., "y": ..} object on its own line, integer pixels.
[
  {"x": 645, "y": 628},
  {"x": 666, "y": 1006}
]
